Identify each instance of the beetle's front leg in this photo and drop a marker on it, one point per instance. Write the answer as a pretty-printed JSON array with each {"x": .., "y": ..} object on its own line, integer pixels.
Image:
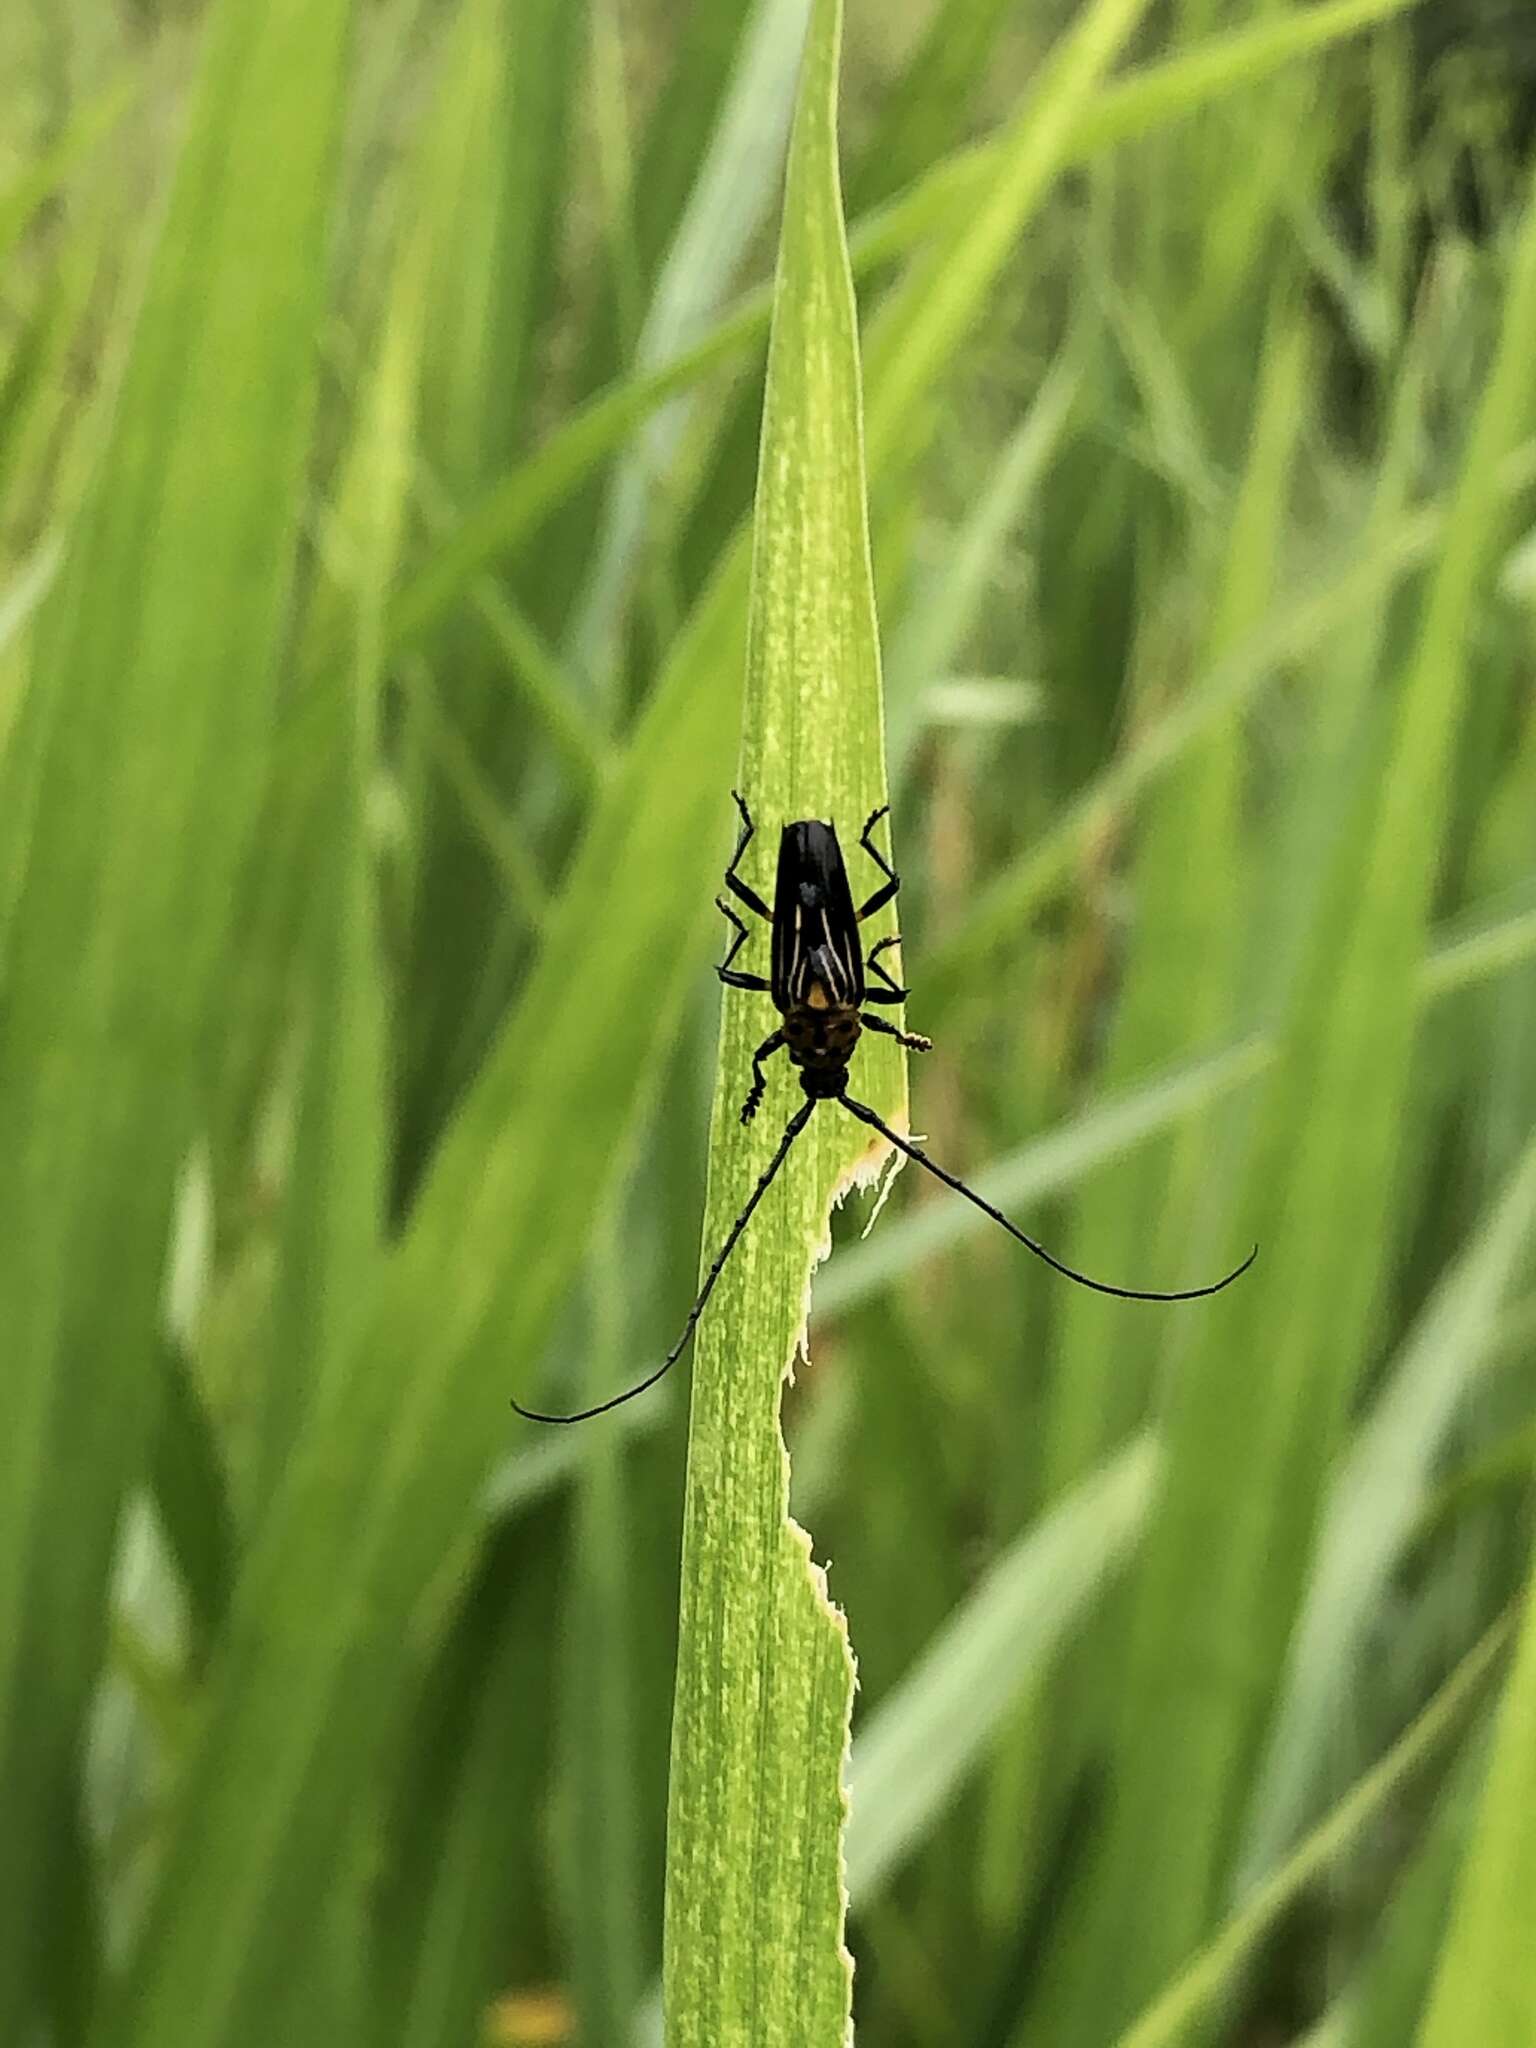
[
  {"x": 765, "y": 1051},
  {"x": 892, "y": 882},
  {"x": 743, "y": 891}
]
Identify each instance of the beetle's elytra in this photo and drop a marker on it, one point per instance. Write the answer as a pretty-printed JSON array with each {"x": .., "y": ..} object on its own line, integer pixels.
[{"x": 820, "y": 979}]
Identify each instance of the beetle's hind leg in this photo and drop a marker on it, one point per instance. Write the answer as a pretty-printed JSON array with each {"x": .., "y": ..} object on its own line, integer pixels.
[
  {"x": 893, "y": 992},
  {"x": 744, "y": 891},
  {"x": 765, "y": 1051},
  {"x": 912, "y": 1040},
  {"x": 733, "y": 977},
  {"x": 892, "y": 882}
]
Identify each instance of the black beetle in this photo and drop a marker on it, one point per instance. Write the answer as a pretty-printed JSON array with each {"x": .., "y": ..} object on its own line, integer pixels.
[{"x": 820, "y": 979}]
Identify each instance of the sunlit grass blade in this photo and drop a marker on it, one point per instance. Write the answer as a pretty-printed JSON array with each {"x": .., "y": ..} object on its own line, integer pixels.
[
  {"x": 755, "y": 1894},
  {"x": 1123, "y": 109},
  {"x": 1485, "y": 1988},
  {"x": 23, "y": 198},
  {"x": 331, "y": 1228},
  {"x": 489, "y": 184},
  {"x": 1199, "y": 1989},
  {"x": 156, "y": 665},
  {"x": 737, "y": 181},
  {"x": 914, "y": 1752},
  {"x": 1382, "y": 2004},
  {"x": 1142, "y": 101},
  {"x": 382, "y": 1483},
  {"x": 1210, "y": 1628},
  {"x": 942, "y": 613},
  {"x": 490, "y": 190},
  {"x": 1181, "y": 978},
  {"x": 19, "y": 741},
  {"x": 922, "y": 323},
  {"x": 597, "y": 1751},
  {"x": 921, "y": 116},
  {"x": 1376, "y": 1506},
  {"x": 1294, "y": 630}
]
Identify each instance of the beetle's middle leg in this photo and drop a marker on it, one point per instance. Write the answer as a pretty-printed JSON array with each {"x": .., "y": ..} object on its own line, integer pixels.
[
  {"x": 892, "y": 882},
  {"x": 733, "y": 977},
  {"x": 893, "y": 992},
  {"x": 765, "y": 1051},
  {"x": 912, "y": 1040}
]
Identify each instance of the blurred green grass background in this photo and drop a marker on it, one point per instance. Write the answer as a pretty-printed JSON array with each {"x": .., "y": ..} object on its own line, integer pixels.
[{"x": 379, "y": 397}]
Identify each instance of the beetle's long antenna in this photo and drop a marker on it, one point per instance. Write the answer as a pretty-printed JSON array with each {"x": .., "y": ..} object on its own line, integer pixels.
[
  {"x": 867, "y": 1115},
  {"x": 795, "y": 1126}
]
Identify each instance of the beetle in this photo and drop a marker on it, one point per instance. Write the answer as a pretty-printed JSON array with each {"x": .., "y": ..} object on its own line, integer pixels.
[
  {"x": 820, "y": 979},
  {"x": 819, "y": 973}
]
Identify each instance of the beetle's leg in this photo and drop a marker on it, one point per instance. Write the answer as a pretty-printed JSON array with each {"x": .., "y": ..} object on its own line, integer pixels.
[
  {"x": 765, "y": 1051},
  {"x": 892, "y": 882},
  {"x": 733, "y": 977},
  {"x": 912, "y": 1040},
  {"x": 743, "y": 891},
  {"x": 892, "y": 992}
]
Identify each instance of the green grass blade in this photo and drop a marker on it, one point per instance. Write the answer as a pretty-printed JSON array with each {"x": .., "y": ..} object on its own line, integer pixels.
[
  {"x": 493, "y": 181},
  {"x": 942, "y": 613},
  {"x": 755, "y": 1897},
  {"x": 947, "y": 195},
  {"x": 922, "y": 325},
  {"x": 1139, "y": 103},
  {"x": 473, "y": 1770},
  {"x": 1293, "y": 631},
  {"x": 599, "y": 1654},
  {"x": 1382, "y": 2004},
  {"x": 192, "y": 1500},
  {"x": 915, "y": 1750},
  {"x": 331, "y": 1226},
  {"x": 377, "y": 1496},
  {"x": 1210, "y": 1631},
  {"x": 382, "y": 1483},
  {"x": 21, "y": 724},
  {"x": 922, "y": 115},
  {"x": 1377, "y": 1505},
  {"x": 730, "y": 200},
  {"x": 490, "y": 185},
  {"x": 23, "y": 593},
  {"x": 1181, "y": 974},
  {"x": 24, "y": 197},
  {"x": 1485, "y": 1988},
  {"x": 1199, "y": 1989},
  {"x": 156, "y": 661}
]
